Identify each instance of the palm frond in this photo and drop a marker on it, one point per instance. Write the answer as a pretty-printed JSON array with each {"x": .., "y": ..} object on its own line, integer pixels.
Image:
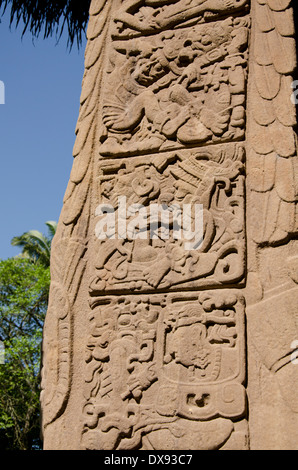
[
  {"x": 35, "y": 245},
  {"x": 40, "y": 239},
  {"x": 52, "y": 227},
  {"x": 49, "y": 17}
]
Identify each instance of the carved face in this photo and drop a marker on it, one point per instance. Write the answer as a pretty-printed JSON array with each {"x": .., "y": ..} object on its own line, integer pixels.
[
  {"x": 148, "y": 70},
  {"x": 183, "y": 190},
  {"x": 191, "y": 347}
]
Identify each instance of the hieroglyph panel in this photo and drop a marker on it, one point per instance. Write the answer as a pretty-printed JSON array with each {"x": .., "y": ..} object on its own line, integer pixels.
[{"x": 164, "y": 371}]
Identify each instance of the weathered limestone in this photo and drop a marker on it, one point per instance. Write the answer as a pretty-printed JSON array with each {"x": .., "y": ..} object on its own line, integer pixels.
[{"x": 160, "y": 335}]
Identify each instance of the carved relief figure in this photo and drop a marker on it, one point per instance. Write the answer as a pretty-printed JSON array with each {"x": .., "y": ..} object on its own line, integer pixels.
[
  {"x": 177, "y": 89},
  {"x": 153, "y": 259},
  {"x": 147, "y": 16}
]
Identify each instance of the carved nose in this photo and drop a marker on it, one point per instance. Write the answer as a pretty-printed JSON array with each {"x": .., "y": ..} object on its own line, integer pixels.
[{"x": 185, "y": 55}]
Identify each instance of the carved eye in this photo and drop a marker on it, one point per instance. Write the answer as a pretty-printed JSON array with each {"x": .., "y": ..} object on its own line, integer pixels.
[
  {"x": 124, "y": 320},
  {"x": 157, "y": 67}
]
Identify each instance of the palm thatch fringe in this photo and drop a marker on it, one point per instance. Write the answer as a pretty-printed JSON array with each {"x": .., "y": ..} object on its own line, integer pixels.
[{"x": 49, "y": 17}]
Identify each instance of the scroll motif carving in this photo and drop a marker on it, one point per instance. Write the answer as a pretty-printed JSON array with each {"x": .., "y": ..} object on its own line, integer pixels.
[
  {"x": 56, "y": 381},
  {"x": 58, "y": 329}
]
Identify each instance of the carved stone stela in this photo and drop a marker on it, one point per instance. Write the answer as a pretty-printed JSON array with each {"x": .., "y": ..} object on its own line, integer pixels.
[{"x": 153, "y": 340}]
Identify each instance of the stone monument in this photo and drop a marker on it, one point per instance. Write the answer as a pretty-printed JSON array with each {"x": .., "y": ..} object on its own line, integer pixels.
[{"x": 173, "y": 311}]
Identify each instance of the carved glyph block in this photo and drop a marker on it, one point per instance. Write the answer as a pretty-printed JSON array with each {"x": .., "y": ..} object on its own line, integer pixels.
[{"x": 156, "y": 363}]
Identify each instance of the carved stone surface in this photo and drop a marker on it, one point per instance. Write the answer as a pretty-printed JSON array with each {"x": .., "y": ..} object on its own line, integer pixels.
[
  {"x": 213, "y": 177},
  {"x": 172, "y": 319},
  {"x": 156, "y": 362}
]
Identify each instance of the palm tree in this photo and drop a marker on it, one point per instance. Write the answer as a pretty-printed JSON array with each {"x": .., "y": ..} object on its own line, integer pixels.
[
  {"x": 36, "y": 246},
  {"x": 50, "y": 17}
]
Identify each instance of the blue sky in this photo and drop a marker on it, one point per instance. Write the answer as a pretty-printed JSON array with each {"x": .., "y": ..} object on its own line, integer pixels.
[{"x": 37, "y": 129}]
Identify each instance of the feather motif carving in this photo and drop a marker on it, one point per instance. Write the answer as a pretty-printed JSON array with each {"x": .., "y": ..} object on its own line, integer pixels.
[
  {"x": 69, "y": 245},
  {"x": 88, "y": 125},
  {"x": 272, "y": 159}
]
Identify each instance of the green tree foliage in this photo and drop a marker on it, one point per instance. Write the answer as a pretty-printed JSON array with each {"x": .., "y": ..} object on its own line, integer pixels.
[
  {"x": 24, "y": 288},
  {"x": 49, "y": 17},
  {"x": 35, "y": 245}
]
